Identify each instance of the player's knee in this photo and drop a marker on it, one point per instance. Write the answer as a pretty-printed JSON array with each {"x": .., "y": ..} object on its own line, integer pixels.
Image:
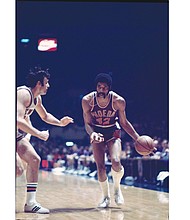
[
  {"x": 101, "y": 168},
  {"x": 35, "y": 160},
  {"x": 19, "y": 171},
  {"x": 116, "y": 163},
  {"x": 38, "y": 159}
]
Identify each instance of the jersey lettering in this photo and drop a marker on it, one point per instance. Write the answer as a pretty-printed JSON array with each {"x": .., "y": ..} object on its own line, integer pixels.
[{"x": 103, "y": 116}]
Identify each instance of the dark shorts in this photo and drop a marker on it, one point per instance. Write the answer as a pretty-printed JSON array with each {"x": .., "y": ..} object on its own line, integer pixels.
[
  {"x": 20, "y": 135},
  {"x": 110, "y": 133}
]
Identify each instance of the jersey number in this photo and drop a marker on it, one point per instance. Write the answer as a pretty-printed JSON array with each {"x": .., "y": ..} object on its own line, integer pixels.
[{"x": 103, "y": 121}]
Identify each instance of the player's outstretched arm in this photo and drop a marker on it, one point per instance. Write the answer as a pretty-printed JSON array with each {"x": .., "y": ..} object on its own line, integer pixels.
[
  {"x": 66, "y": 120},
  {"x": 49, "y": 118}
]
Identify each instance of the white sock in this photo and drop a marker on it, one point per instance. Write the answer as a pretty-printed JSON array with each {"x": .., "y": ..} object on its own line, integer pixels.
[
  {"x": 117, "y": 176},
  {"x": 31, "y": 193},
  {"x": 105, "y": 188}
]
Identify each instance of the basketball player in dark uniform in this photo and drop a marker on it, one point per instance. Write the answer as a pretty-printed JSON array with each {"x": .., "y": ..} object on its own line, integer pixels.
[
  {"x": 29, "y": 99},
  {"x": 104, "y": 112}
]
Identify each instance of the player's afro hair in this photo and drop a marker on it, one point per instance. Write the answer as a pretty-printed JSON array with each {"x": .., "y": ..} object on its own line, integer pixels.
[{"x": 104, "y": 78}]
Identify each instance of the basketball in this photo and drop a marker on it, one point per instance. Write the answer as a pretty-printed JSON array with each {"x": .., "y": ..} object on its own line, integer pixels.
[{"x": 144, "y": 145}]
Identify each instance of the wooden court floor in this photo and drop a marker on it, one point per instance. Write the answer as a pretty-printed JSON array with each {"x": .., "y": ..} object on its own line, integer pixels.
[{"x": 72, "y": 197}]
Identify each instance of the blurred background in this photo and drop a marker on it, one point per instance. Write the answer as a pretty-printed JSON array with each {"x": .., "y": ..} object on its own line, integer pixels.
[
  {"x": 127, "y": 39},
  {"x": 130, "y": 40}
]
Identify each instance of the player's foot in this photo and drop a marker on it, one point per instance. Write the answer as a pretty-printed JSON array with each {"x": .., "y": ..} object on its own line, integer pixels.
[
  {"x": 119, "y": 200},
  {"x": 105, "y": 203},
  {"x": 36, "y": 208}
]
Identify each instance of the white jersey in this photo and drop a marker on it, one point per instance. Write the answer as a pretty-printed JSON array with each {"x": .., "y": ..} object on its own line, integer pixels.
[
  {"x": 32, "y": 104},
  {"x": 28, "y": 111}
]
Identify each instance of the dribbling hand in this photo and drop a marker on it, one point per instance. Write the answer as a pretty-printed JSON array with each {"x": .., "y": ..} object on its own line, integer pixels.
[{"x": 96, "y": 137}]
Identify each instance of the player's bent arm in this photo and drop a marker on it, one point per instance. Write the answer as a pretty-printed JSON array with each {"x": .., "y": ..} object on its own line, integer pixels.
[
  {"x": 28, "y": 136},
  {"x": 94, "y": 136},
  {"x": 125, "y": 124},
  {"x": 23, "y": 100},
  {"x": 23, "y": 124},
  {"x": 49, "y": 118},
  {"x": 87, "y": 116}
]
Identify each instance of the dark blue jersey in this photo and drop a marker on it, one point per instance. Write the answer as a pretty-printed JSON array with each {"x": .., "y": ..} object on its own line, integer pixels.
[{"x": 103, "y": 116}]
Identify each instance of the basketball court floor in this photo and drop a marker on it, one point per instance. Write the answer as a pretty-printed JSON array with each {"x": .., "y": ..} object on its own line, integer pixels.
[{"x": 71, "y": 197}]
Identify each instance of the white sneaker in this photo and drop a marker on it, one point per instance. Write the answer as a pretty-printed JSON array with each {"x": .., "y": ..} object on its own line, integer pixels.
[
  {"x": 36, "y": 208},
  {"x": 105, "y": 203},
  {"x": 119, "y": 200}
]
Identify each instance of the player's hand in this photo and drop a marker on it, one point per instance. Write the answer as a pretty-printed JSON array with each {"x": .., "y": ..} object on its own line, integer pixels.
[
  {"x": 28, "y": 136},
  {"x": 43, "y": 135},
  {"x": 96, "y": 137},
  {"x": 66, "y": 120}
]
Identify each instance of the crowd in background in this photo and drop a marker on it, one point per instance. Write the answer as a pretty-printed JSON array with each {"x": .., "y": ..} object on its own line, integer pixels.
[{"x": 70, "y": 147}]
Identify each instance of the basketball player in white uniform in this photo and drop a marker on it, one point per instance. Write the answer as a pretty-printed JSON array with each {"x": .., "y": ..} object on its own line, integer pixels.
[
  {"x": 29, "y": 99},
  {"x": 103, "y": 111}
]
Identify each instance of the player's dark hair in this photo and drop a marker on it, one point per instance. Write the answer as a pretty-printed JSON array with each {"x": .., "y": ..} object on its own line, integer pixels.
[
  {"x": 37, "y": 75},
  {"x": 104, "y": 78}
]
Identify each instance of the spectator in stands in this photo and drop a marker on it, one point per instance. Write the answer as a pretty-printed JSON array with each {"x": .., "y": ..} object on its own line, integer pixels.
[
  {"x": 72, "y": 157},
  {"x": 165, "y": 150},
  {"x": 128, "y": 151}
]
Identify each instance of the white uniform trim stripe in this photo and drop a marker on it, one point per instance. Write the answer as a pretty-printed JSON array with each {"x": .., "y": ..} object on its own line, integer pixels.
[{"x": 105, "y": 126}]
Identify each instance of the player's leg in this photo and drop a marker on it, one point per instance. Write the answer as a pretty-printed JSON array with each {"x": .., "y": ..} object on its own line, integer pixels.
[
  {"x": 99, "y": 157},
  {"x": 19, "y": 166},
  {"x": 29, "y": 155},
  {"x": 117, "y": 169}
]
